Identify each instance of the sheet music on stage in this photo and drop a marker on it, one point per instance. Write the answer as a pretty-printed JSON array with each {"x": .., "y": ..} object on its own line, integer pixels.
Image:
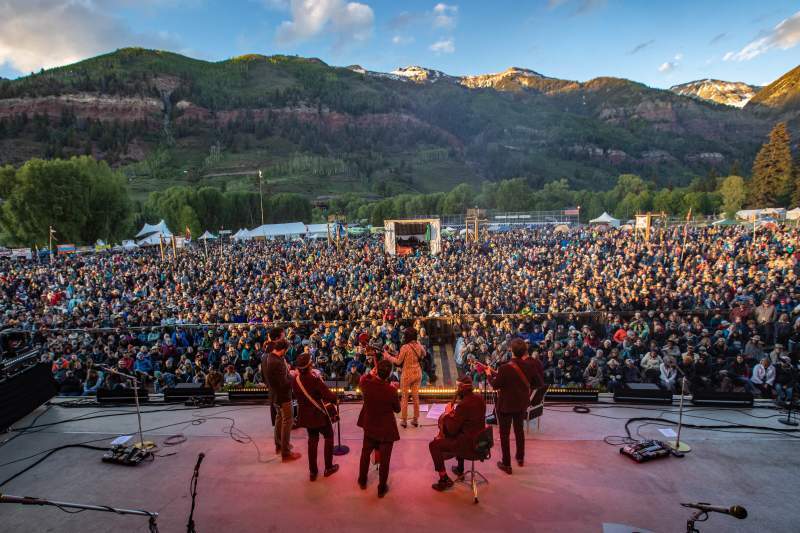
[{"x": 435, "y": 411}]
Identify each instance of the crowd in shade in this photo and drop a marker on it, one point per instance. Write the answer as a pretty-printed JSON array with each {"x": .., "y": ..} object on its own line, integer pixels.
[{"x": 719, "y": 305}]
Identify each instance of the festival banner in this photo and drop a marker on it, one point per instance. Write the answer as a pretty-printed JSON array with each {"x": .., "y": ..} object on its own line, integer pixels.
[
  {"x": 62, "y": 249},
  {"x": 22, "y": 253}
]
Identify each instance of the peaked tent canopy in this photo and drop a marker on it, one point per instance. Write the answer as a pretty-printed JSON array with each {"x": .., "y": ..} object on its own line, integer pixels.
[
  {"x": 269, "y": 231},
  {"x": 605, "y": 218},
  {"x": 150, "y": 229},
  {"x": 207, "y": 236},
  {"x": 240, "y": 235}
]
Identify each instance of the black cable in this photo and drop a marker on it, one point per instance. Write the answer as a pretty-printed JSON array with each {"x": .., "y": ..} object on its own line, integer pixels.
[{"x": 48, "y": 454}]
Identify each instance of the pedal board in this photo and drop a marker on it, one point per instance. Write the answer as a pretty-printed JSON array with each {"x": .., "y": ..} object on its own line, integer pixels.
[
  {"x": 125, "y": 455},
  {"x": 647, "y": 450}
]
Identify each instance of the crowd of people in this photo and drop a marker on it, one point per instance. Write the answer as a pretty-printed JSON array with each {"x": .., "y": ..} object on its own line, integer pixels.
[{"x": 720, "y": 306}]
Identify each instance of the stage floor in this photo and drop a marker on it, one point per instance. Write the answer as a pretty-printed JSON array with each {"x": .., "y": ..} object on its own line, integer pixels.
[{"x": 572, "y": 480}]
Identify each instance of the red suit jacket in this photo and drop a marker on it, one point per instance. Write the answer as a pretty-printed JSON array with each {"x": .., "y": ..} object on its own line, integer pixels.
[
  {"x": 514, "y": 395},
  {"x": 465, "y": 423},
  {"x": 309, "y": 416},
  {"x": 377, "y": 414}
]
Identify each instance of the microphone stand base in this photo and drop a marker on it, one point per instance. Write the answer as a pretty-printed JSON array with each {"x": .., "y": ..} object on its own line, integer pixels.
[
  {"x": 679, "y": 446},
  {"x": 146, "y": 445},
  {"x": 788, "y": 421},
  {"x": 341, "y": 449}
]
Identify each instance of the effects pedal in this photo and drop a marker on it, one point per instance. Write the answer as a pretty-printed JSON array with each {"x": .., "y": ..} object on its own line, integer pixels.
[
  {"x": 125, "y": 455},
  {"x": 647, "y": 450}
]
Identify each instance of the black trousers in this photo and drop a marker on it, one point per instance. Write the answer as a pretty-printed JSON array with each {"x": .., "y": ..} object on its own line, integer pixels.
[
  {"x": 385, "y": 451},
  {"x": 313, "y": 444},
  {"x": 442, "y": 449},
  {"x": 505, "y": 421}
]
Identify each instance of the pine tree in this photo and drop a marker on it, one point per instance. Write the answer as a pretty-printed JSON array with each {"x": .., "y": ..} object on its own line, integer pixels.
[{"x": 772, "y": 170}]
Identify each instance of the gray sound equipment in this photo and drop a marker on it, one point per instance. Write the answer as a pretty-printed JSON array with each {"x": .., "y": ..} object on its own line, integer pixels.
[
  {"x": 723, "y": 399},
  {"x": 184, "y": 392},
  {"x": 25, "y": 391},
  {"x": 121, "y": 396}
]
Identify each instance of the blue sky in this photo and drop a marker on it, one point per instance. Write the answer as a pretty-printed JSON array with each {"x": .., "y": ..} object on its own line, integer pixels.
[{"x": 659, "y": 43}]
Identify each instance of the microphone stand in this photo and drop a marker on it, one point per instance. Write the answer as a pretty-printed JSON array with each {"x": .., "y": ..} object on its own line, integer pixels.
[
  {"x": 339, "y": 449},
  {"x": 677, "y": 445},
  {"x": 193, "y": 485},
  {"x": 29, "y": 500},
  {"x": 142, "y": 444},
  {"x": 787, "y": 420}
]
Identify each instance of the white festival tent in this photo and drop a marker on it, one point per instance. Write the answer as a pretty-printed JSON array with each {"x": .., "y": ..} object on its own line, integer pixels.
[
  {"x": 750, "y": 214},
  {"x": 150, "y": 229},
  {"x": 207, "y": 236},
  {"x": 154, "y": 240},
  {"x": 240, "y": 235},
  {"x": 317, "y": 231},
  {"x": 290, "y": 230},
  {"x": 605, "y": 218},
  {"x": 793, "y": 214}
]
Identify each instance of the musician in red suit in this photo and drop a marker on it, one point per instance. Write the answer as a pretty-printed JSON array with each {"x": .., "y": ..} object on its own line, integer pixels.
[
  {"x": 460, "y": 426},
  {"x": 514, "y": 381},
  {"x": 311, "y": 392},
  {"x": 379, "y": 423}
]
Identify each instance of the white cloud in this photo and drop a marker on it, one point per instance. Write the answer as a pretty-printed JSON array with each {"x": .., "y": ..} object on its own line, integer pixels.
[
  {"x": 444, "y": 46},
  {"x": 784, "y": 36},
  {"x": 350, "y": 21},
  {"x": 444, "y": 16},
  {"x": 667, "y": 67},
  {"x": 402, "y": 39},
  {"x": 38, "y": 34}
]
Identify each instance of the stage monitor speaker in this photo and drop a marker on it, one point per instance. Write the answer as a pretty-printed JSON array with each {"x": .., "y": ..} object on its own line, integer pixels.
[
  {"x": 571, "y": 394},
  {"x": 188, "y": 391},
  {"x": 122, "y": 396},
  {"x": 248, "y": 394},
  {"x": 21, "y": 394},
  {"x": 722, "y": 399},
  {"x": 642, "y": 393}
]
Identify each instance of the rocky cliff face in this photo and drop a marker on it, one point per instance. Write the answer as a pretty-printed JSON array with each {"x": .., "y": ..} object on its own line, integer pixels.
[
  {"x": 87, "y": 105},
  {"x": 731, "y": 93}
]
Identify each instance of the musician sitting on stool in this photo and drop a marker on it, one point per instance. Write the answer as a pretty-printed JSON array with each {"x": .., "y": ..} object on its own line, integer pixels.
[{"x": 459, "y": 426}]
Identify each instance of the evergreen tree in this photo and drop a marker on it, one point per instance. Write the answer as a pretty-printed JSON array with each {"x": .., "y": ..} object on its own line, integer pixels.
[{"x": 772, "y": 170}]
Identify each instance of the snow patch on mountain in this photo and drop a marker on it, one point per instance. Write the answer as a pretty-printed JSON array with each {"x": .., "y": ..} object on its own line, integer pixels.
[{"x": 731, "y": 93}]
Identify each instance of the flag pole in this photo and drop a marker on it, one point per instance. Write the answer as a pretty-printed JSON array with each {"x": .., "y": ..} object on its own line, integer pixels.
[
  {"x": 161, "y": 245},
  {"x": 174, "y": 249}
]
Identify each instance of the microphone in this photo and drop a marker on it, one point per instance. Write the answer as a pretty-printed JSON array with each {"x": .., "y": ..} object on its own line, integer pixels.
[
  {"x": 200, "y": 458},
  {"x": 736, "y": 511}
]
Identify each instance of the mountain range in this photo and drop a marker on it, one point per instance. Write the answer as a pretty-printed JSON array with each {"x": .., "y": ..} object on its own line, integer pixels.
[{"x": 167, "y": 119}]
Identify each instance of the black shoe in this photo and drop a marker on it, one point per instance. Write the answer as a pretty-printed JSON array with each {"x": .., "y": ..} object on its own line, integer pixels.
[
  {"x": 457, "y": 471},
  {"x": 403, "y": 424},
  {"x": 415, "y": 423},
  {"x": 382, "y": 491},
  {"x": 443, "y": 484},
  {"x": 331, "y": 471},
  {"x": 362, "y": 485},
  {"x": 504, "y": 467},
  {"x": 520, "y": 462},
  {"x": 312, "y": 476}
]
